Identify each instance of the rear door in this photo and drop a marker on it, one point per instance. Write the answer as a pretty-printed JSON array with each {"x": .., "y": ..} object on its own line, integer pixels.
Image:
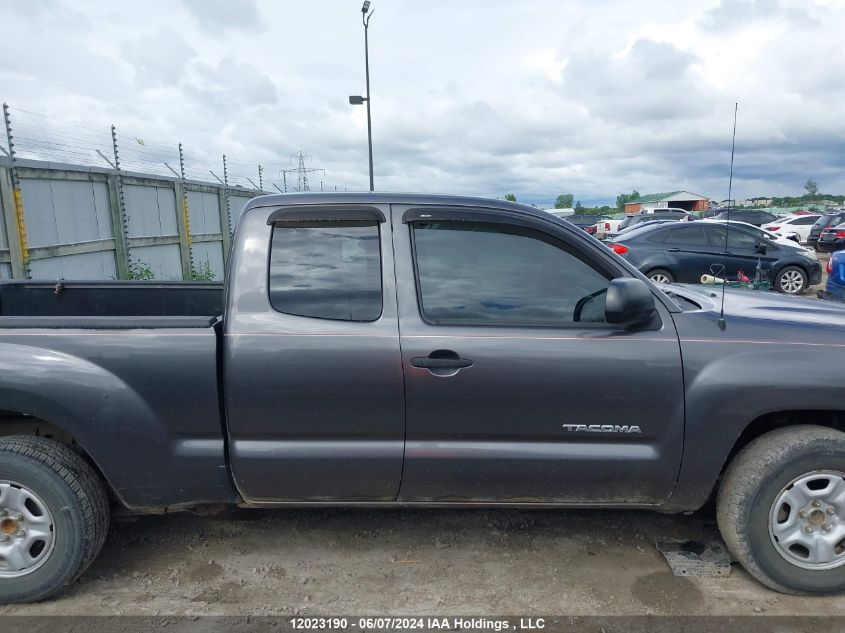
[
  {"x": 517, "y": 391},
  {"x": 801, "y": 225},
  {"x": 313, "y": 378},
  {"x": 689, "y": 252}
]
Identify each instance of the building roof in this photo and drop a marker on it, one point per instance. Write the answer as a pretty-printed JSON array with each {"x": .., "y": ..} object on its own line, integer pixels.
[{"x": 669, "y": 196}]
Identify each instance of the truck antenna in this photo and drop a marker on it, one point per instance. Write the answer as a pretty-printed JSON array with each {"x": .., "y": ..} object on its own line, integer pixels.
[{"x": 721, "y": 321}]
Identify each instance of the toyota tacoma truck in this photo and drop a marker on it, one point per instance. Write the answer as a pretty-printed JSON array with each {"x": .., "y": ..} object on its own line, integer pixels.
[{"x": 392, "y": 350}]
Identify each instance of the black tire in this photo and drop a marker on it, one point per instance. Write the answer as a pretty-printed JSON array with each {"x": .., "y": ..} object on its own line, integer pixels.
[
  {"x": 791, "y": 271},
  {"x": 77, "y": 501},
  {"x": 749, "y": 489},
  {"x": 660, "y": 271}
]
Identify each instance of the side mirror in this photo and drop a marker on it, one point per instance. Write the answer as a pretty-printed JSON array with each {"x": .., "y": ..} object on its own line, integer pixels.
[
  {"x": 628, "y": 302},
  {"x": 761, "y": 248}
]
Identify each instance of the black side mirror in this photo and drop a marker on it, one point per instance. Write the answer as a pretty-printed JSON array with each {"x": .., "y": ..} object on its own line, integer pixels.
[
  {"x": 628, "y": 302},
  {"x": 761, "y": 248}
]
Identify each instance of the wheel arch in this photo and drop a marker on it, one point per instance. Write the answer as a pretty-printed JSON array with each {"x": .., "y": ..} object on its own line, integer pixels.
[
  {"x": 767, "y": 422},
  {"x": 834, "y": 419},
  {"x": 19, "y": 423}
]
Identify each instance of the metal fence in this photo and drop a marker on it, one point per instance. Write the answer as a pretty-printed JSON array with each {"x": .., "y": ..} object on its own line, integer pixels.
[{"x": 78, "y": 202}]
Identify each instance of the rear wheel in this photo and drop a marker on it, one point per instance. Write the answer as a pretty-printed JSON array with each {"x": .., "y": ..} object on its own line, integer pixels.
[
  {"x": 661, "y": 276},
  {"x": 791, "y": 280},
  {"x": 781, "y": 509},
  {"x": 54, "y": 517}
]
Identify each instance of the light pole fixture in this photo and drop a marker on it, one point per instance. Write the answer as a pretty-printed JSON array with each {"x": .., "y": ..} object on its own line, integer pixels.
[{"x": 359, "y": 100}]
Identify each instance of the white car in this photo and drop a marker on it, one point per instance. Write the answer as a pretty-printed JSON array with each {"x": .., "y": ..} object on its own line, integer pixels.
[
  {"x": 604, "y": 227},
  {"x": 778, "y": 238},
  {"x": 797, "y": 224}
]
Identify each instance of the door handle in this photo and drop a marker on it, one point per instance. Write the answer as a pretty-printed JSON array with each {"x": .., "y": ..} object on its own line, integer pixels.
[
  {"x": 440, "y": 363},
  {"x": 674, "y": 250}
]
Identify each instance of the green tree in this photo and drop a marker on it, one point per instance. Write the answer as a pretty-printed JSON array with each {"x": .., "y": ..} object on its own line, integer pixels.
[
  {"x": 579, "y": 208},
  {"x": 564, "y": 201},
  {"x": 624, "y": 198},
  {"x": 510, "y": 197},
  {"x": 812, "y": 188}
]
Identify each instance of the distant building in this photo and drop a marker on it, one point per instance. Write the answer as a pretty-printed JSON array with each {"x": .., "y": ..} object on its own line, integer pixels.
[
  {"x": 675, "y": 199},
  {"x": 759, "y": 201},
  {"x": 762, "y": 201}
]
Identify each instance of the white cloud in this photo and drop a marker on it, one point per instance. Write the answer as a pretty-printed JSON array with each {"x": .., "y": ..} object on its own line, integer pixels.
[{"x": 481, "y": 96}]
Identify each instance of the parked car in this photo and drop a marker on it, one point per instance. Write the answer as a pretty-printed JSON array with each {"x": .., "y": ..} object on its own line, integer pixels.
[
  {"x": 836, "y": 275},
  {"x": 799, "y": 225},
  {"x": 832, "y": 239},
  {"x": 833, "y": 218},
  {"x": 606, "y": 228},
  {"x": 586, "y": 222},
  {"x": 749, "y": 216},
  {"x": 418, "y": 350},
  {"x": 672, "y": 252},
  {"x": 649, "y": 215}
]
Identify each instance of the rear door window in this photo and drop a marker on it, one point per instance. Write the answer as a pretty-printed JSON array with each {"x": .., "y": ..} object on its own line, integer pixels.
[
  {"x": 687, "y": 236},
  {"x": 326, "y": 272}
]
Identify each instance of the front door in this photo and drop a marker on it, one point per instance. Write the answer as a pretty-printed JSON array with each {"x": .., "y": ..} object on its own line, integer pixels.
[
  {"x": 516, "y": 389},
  {"x": 313, "y": 380},
  {"x": 738, "y": 248}
]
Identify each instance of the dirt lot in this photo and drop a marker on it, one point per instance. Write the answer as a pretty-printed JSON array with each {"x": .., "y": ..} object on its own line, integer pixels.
[{"x": 409, "y": 562}]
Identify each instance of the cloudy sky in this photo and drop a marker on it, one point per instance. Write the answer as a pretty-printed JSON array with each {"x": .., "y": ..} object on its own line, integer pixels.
[{"x": 535, "y": 97}]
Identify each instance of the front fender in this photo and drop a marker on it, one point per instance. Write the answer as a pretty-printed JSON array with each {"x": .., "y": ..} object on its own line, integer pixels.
[{"x": 731, "y": 382}]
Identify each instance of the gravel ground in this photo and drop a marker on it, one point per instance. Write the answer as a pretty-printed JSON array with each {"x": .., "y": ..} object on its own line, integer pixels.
[{"x": 377, "y": 562}]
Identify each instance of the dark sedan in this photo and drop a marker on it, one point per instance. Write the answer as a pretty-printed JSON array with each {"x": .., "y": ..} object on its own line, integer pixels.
[
  {"x": 832, "y": 239},
  {"x": 652, "y": 216},
  {"x": 682, "y": 252},
  {"x": 584, "y": 221},
  {"x": 833, "y": 218},
  {"x": 757, "y": 218}
]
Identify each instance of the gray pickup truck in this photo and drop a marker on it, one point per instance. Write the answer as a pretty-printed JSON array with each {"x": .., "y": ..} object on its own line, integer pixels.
[{"x": 390, "y": 350}]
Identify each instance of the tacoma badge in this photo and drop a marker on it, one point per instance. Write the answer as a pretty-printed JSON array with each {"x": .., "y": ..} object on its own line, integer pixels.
[{"x": 601, "y": 428}]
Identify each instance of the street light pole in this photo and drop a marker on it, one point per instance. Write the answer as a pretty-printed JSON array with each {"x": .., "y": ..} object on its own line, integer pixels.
[
  {"x": 357, "y": 99},
  {"x": 366, "y": 20}
]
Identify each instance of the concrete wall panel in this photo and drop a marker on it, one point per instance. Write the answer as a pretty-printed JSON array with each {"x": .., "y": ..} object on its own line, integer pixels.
[
  {"x": 163, "y": 260},
  {"x": 65, "y": 212},
  {"x": 87, "y": 266},
  {"x": 204, "y": 212},
  {"x": 150, "y": 211},
  {"x": 212, "y": 254}
]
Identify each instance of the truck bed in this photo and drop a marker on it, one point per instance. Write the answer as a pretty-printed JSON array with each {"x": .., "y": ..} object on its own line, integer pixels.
[
  {"x": 109, "y": 304},
  {"x": 132, "y": 375}
]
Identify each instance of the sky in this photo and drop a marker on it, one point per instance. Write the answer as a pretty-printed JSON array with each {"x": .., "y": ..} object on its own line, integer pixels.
[{"x": 481, "y": 97}]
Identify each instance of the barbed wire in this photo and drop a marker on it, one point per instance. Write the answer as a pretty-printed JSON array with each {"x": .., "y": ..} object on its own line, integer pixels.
[{"x": 44, "y": 137}]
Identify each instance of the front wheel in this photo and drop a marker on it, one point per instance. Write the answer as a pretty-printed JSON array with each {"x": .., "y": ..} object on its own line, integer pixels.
[
  {"x": 781, "y": 509},
  {"x": 54, "y": 516},
  {"x": 791, "y": 280}
]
